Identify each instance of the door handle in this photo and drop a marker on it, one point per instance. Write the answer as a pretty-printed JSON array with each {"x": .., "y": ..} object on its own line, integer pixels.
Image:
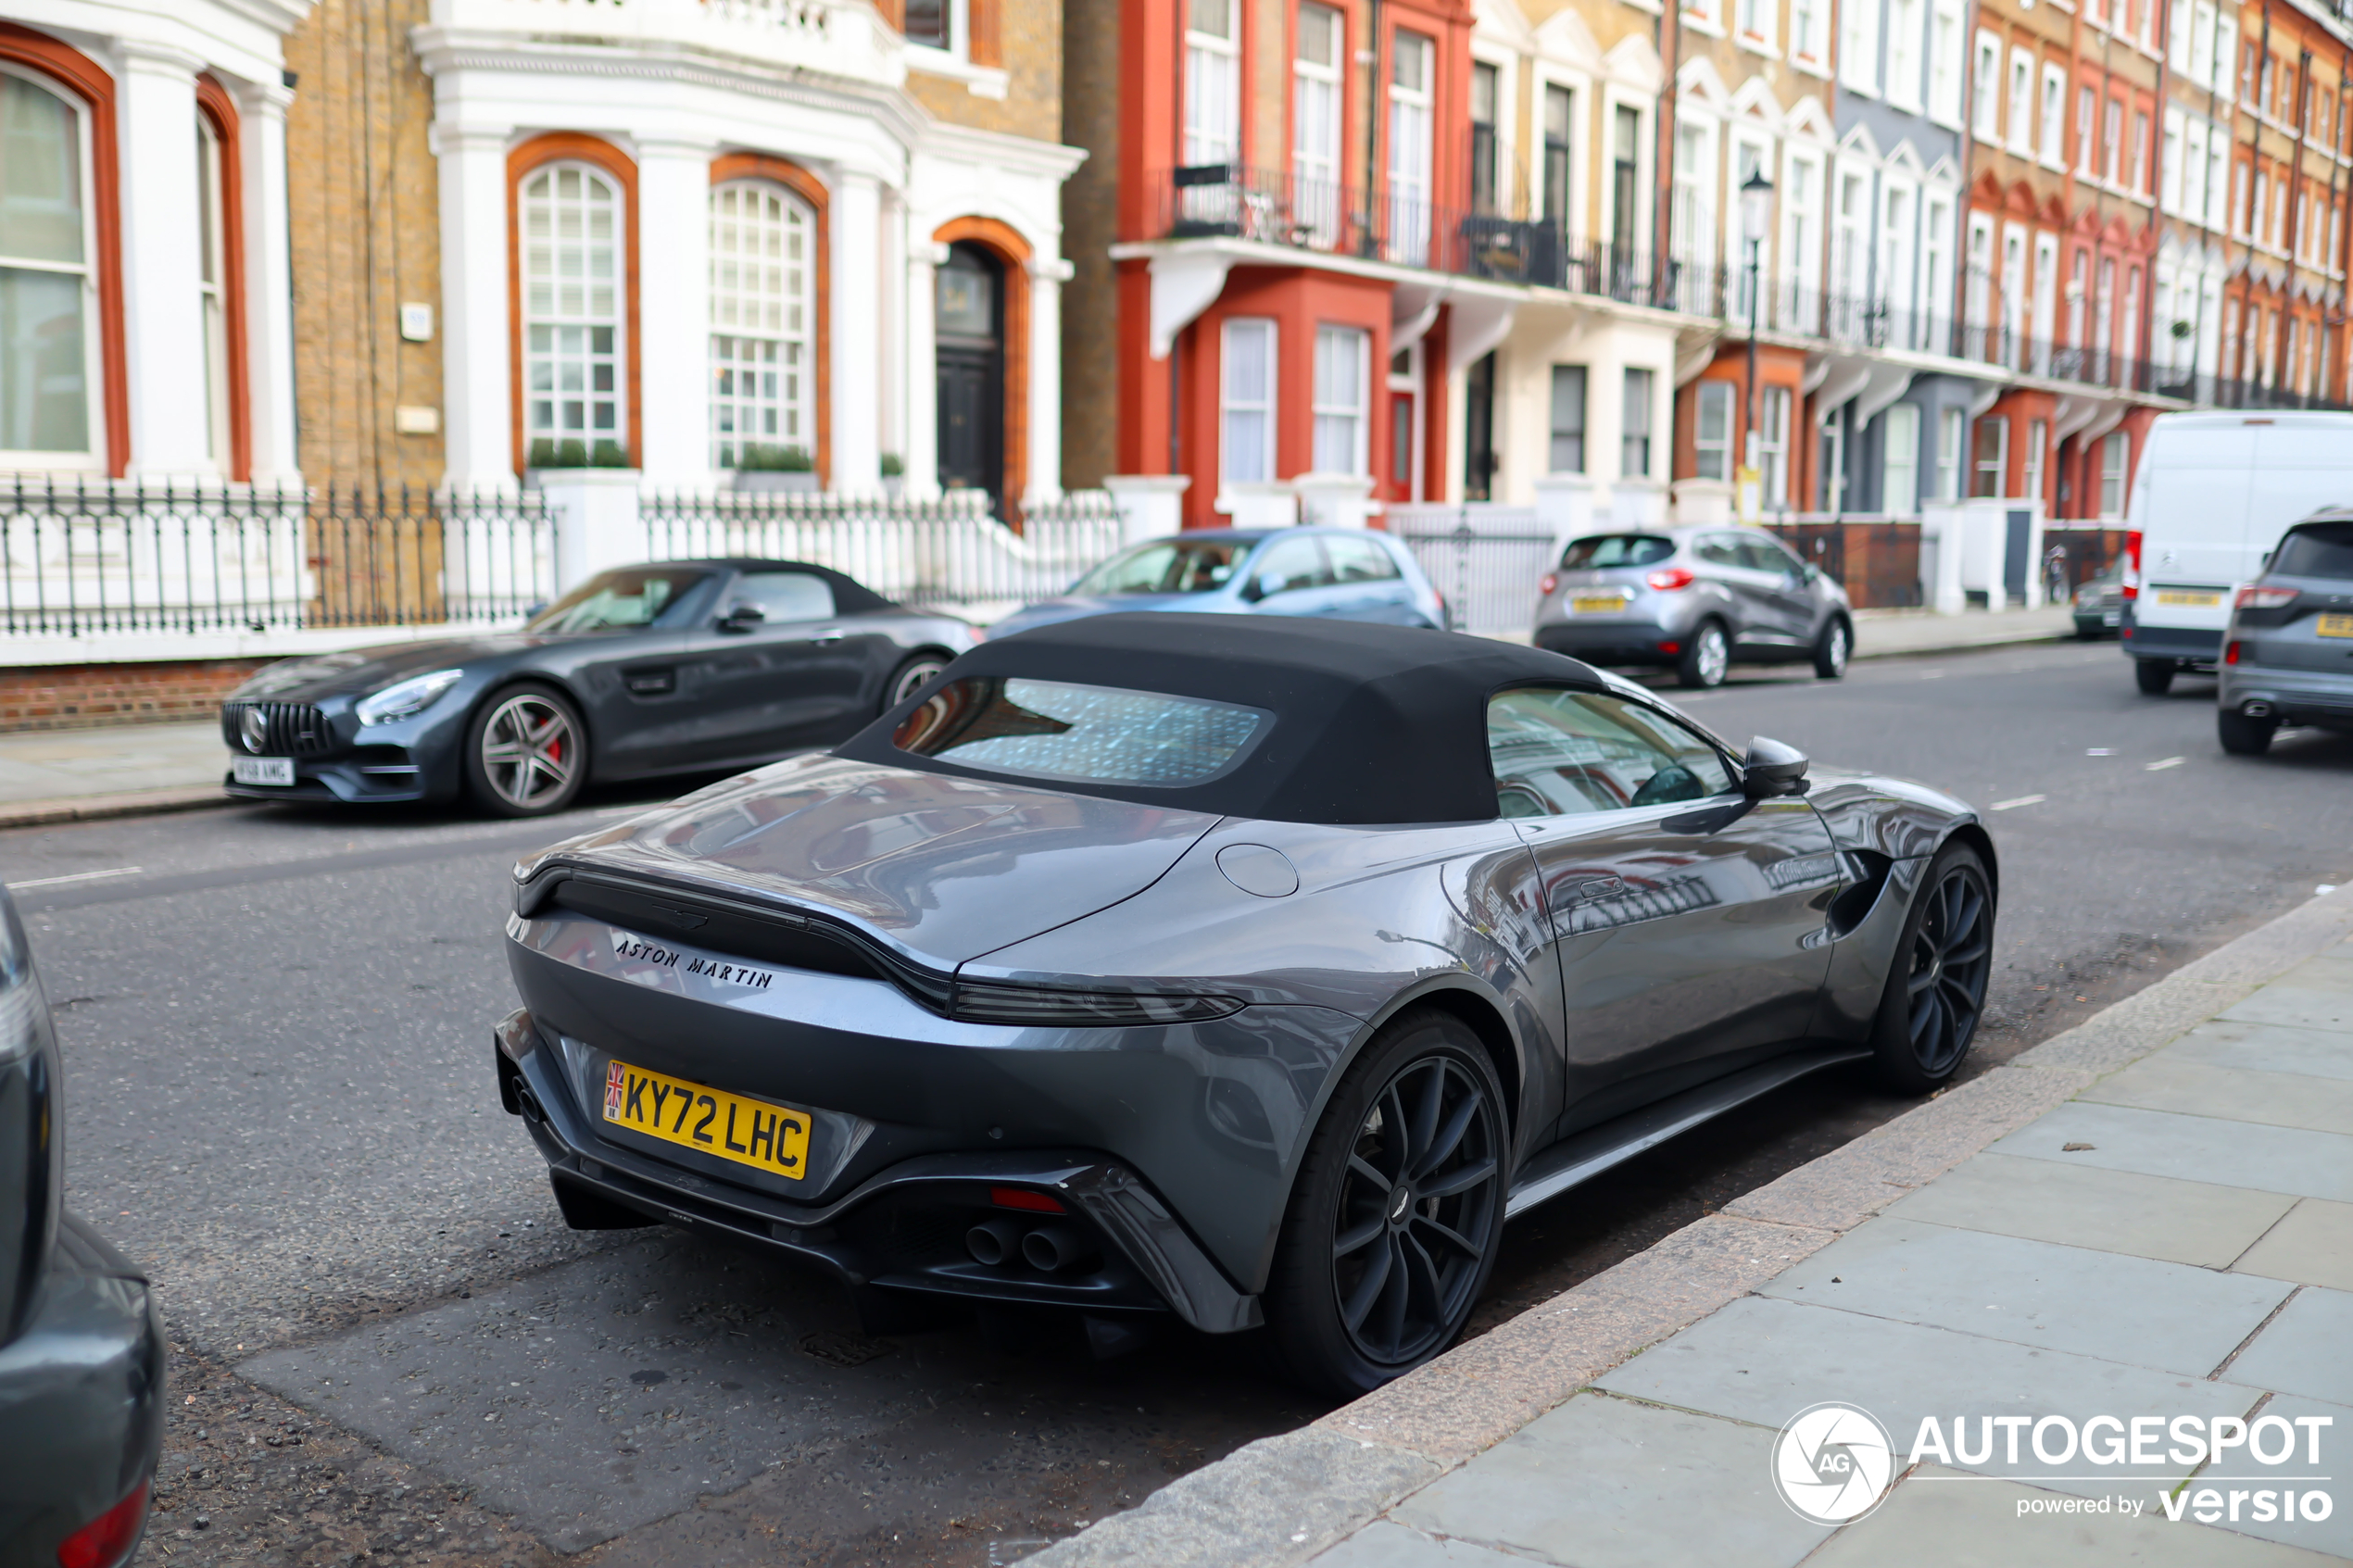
[
  {"x": 650, "y": 682},
  {"x": 832, "y": 636},
  {"x": 1600, "y": 887}
]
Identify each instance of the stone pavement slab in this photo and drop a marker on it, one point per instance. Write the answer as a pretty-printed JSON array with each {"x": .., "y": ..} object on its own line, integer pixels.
[
  {"x": 2307, "y": 1350},
  {"x": 2180, "y": 1221},
  {"x": 2267, "y": 1047},
  {"x": 52, "y": 764},
  {"x": 2162, "y": 1143},
  {"x": 2332, "y": 1535},
  {"x": 1762, "y": 1361},
  {"x": 2313, "y": 1245},
  {"x": 1387, "y": 1544},
  {"x": 2198, "y": 1089},
  {"x": 2169, "y": 1316},
  {"x": 1605, "y": 1483},
  {"x": 1946, "y": 1519},
  {"x": 2305, "y": 1006}
]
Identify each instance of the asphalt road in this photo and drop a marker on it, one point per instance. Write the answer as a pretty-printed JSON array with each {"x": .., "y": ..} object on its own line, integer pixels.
[{"x": 279, "y": 1100}]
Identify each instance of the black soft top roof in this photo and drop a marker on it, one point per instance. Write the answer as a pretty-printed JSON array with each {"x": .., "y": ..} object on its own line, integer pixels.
[
  {"x": 851, "y": 596},
  {"x": 1372, "y": 724}
]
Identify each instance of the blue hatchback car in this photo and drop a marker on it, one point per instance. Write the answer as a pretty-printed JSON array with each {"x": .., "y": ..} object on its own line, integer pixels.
[{"x": 1337, "y": 573}]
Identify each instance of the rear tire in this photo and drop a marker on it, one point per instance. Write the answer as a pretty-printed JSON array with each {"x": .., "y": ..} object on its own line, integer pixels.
[
  {"x": 2155, "y": 675},
  {"x": 2243, "y": 736},
  {"x": 1833, "y": 648},
  {"x": 1705, "y": 657},
  {"x": 1372, "y": 1275},
  {"x": 1936, "y": 983},
  {"x": 526, "y": 752}
]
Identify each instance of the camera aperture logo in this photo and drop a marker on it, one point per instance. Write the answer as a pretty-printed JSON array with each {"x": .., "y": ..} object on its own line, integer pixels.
[{"x": 1833, "y": 1463}]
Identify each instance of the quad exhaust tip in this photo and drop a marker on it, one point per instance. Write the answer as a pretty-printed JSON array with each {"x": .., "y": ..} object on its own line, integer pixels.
[
  {"x": 993, "y": 1242},
  {"x": 1048, "y": 1248},
  {"x": 2256, "y": 710}
]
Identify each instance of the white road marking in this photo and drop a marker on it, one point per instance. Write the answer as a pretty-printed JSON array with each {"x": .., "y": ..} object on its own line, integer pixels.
[
  {"x": 2168, "y": 762},
  {"x": 2097, "y": 751},
  {"x": 2021, "y": 801},
  {"x": 77, "y": 876}
]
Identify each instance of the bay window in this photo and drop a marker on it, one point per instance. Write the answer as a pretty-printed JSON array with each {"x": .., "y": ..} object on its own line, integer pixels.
[
  {"x": 1341, "y": 380},
  {"x": 1246, "y": 397}
]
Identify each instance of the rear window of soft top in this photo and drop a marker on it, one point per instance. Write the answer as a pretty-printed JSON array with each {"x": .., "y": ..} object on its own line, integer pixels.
[
  {"x": 2321, "y": 549},
  {"x": 1602, "y": 551}
]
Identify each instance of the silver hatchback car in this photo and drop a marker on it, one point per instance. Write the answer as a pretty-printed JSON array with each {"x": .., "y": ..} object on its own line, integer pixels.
[
  {"x": 1693, "y": 600},
  {"x": 2288, "y": 659}
]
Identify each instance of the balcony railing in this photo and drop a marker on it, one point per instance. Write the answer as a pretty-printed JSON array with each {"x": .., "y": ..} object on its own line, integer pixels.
[{"x": 1231, "y": 201}]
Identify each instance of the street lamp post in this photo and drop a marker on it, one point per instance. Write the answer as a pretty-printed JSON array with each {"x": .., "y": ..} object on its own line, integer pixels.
[{"x": 1756, "y": 198}]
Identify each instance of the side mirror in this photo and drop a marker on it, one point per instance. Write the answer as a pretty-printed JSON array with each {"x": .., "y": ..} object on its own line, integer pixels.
[
  {"x": 1266, "y": 585},
  {"x": 2265, "y": 564},
  {"x": 1771, "y": 769},
  {"x": 742, "y": 616}
]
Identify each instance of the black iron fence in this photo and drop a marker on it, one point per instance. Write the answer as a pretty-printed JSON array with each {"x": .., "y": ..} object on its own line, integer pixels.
[
  {"x": 950, "y": 553},
  {"x": 93, "y": 556}
]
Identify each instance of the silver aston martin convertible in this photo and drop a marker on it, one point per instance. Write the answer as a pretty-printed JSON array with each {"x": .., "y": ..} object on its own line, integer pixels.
[{"x": 1247, "y": 971}]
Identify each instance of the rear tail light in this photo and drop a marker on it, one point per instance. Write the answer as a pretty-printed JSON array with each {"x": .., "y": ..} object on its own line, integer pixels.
[
  {"x": 2231, "y": 654},
  {"x": 108, "y": 1540},
  {"x": 1551, "y": 581},
  {"x": 2132, "y": 578},
  {"x": 1022, "y": 1197},
  {"x": 1670, "y": 649},
  {"x": 2263, "y": 598},
  {"x": 1668, "y": 578}
]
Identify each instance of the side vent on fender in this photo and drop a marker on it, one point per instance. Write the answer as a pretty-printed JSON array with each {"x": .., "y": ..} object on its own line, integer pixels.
[{"x": 1865, "y": 874}]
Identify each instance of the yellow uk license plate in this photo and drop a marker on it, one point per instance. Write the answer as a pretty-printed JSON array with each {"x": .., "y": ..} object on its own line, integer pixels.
[
  {"x": 1599, "y": 604},
  {"x": 735, "y": 1128},
  {"x": 2202, "y": 599},
  {"x": 2336, "y": 626}
]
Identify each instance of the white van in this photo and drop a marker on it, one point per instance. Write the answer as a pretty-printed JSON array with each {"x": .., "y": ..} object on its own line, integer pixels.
[{"x": 2214, "y": 492}]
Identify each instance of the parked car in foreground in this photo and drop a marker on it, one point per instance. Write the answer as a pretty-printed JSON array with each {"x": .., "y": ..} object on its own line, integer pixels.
[
  {"x": 82, "y": 1349},
  {"x": 675, "y": 667},
  {"x": 1240, "y": 969},
  {"x": 1693, "y": 600},
  {"x": 2288, "y": 659},
  {"x": 2211, "y": 497},
  {"x": 1334, "y": 573},
  {"x": 2098, "y": 603}
]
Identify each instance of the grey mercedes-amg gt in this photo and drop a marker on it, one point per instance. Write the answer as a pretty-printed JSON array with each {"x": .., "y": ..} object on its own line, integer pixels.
[{"x": 1248, "y": 971}]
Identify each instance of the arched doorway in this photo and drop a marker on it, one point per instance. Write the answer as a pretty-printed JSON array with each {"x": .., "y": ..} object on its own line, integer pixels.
[{"x": 969, "y": 335}]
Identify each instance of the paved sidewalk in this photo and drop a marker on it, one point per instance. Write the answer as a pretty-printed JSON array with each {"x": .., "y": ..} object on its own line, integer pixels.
[
  {"x": 56, "y": 776},
  {"x": 2148, "y": 1216},
  {"x": 1885, "y": 634}
]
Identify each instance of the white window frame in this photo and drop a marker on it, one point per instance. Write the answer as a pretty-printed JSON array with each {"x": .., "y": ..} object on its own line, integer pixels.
[
  {"x": 1705, "y": 15},
  {"x": 2045, "y": 320},
  {"x": 1805, "y": 173},
  {"x": 2053, "y": 150},
  {"x": 1937, "y": 241},
  {"x": 1319, "y": 96},
  {"x": 1213, "y": 129},
  {"x": 2169, "y": 163},
  {"x": 1985, "y": 89},
  {"x": 1695, "y": 214},
  {"x": 1410, "y": 150},
  {"x": 212, "y": 285},
  {"x": 1900, "y": 454},
  {"x": 1906, "y": 38},
  {"x": 1582, "y": 377},
  {"x": 1338, "y": 419},
  {"x": 1747, "y": 152},
  {"x": 1893, "y": 278},
  {"x": 784, "y": 390},
  {"x": 2087, "y": 139},
  {"x": 1712, "y": 460},
  {"x": 1947, "y": 63},
  {"x": 2116, "y": 449},
  {"x": 1951, "y": 451},
  {"x": 2020, "y": 102},
  {"x": 1773, "y": 408},
  {"x": 1268, "y": 406},
  {"x": 93, "y": 460},
  {"x": 1617, "y": 230},
  {"x": 1858, "y": 53},
  {"x": 2014, "y": 293},
  {"x": 2038, "y": 438},
  {"x": 1754, "y": 23},
  {"x": 1850, "y": 223},
  {"x": 1645, "y": 409},
  {"x": 1807, "y": 27},
  {"x": 557, "y": 351}
]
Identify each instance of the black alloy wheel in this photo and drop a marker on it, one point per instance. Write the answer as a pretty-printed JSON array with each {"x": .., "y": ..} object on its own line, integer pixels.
[
  {"x": 1398, "y": 1212},
  {"x": 909, "y": 678},
  {"x": 1936, "y": 986}
]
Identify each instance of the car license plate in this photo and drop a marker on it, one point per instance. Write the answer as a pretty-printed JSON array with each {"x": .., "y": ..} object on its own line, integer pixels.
[
  {"x": 2204, "y": 598},
  {"x": 735, "y": 1128},
  {"x": 1597, "y": 604},
  {"x": 261, "y": 769},
  {"x": 2336, "y": 626}
]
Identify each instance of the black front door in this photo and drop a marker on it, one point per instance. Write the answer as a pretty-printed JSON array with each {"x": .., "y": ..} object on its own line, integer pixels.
[{"x": 968, "y": 323}]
